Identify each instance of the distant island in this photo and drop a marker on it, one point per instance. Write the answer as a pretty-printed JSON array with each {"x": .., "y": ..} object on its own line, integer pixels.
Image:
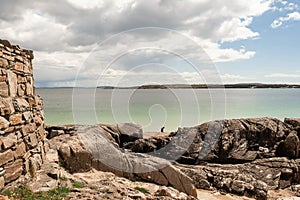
[{"x": 205, "y": 86}]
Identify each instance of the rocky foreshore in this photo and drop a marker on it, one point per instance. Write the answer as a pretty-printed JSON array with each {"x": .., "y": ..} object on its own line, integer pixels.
[{"x": 256, "y": 158}]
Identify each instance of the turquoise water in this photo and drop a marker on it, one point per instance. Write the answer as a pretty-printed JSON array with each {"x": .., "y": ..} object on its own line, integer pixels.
[{"x": 170, "y": 108}]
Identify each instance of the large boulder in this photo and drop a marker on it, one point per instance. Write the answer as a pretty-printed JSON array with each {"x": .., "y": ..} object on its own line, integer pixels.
[
  {"x": 91, "y": 148},
  {"x": 290, "y": 146}
]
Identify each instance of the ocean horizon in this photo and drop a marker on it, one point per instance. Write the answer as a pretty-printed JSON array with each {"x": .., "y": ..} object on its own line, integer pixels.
[{"x": 173, "y": 108}]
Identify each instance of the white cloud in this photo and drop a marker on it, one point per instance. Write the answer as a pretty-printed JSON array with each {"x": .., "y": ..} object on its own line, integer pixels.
[
  {"x": 294, "y": 16},
  {"x": 236, "y": 29},
  {"x": 283, "y": 75},
  {"x": 36, "y": 31},
  {"x": 62, "y": 33}
]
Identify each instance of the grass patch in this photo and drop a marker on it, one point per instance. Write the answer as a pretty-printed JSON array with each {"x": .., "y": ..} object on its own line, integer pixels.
[
  {"x": 24, "y": 193},
  {"x": 143, "y": 190},
  {"x": 77, "y": 184}
]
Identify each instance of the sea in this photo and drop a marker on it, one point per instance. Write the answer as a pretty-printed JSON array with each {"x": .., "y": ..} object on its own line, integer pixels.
[{"x": 169, "y": 108}]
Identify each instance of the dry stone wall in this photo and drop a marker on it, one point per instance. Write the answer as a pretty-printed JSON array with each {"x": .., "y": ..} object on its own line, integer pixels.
[{"x": 21, "y": 115}]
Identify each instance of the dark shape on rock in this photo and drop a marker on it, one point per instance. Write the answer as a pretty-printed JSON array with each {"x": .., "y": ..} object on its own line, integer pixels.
[{"x": 162, "y": 129}]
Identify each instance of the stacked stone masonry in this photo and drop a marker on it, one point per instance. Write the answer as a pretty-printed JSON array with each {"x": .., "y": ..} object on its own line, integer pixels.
[{"x": 21, "y": 115}]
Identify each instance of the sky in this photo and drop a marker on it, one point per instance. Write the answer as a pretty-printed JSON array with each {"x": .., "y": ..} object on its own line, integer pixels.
[{"x": 133, "y": 42}]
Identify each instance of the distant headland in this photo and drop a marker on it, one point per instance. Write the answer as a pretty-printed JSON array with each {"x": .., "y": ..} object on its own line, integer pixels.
[
  {"x": 193, "y": 86},
  {"x": 205, "y": 86}
]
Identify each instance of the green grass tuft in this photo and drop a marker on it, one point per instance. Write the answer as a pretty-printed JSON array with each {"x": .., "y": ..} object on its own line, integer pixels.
[
  {"x": 24, "y": 193},
  {"x": 143, "y": 190},
  {"x": 77, "y": 184}
]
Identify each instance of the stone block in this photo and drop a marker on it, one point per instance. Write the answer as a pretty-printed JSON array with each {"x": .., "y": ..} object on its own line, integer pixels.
[
  {"x": 8, "y": 57},
  {"x": 16, "y": 119},
  {"x": 31, "y": 140},
  {"x": 13, "y": 171},
  {"x": 28, "y": 128},
  {"x": 3, "y": 123},
  {"x": 38, "y": 120},
  {"x": 19, "y": 58},
  {"x": 6, "y": 106},
  {"x": 3, "y": 89},
  {"x": 9, "y": 129},
  {"x": 41, "y": 132},
  {"x": 29, "y": 89},
  {"x": 21, "y": 105},
  {"x": 19, "y": 66},
  {"x": 27, "y": 116},
  {"x": 9, "y": 140},
  {"x": 27, "y": 69},
  {"x": 3, "y": 63},
  {"x": 5, "y": 157},
  {"x": 20, "y": 150},
  {"x": 12, "y": 83},
  {"x": 31, "y": 101},
  {"x": 9, "y": 49}
]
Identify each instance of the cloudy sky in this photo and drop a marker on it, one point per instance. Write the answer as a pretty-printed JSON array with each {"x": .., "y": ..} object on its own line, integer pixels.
[{"x": 133, "y": 42}]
